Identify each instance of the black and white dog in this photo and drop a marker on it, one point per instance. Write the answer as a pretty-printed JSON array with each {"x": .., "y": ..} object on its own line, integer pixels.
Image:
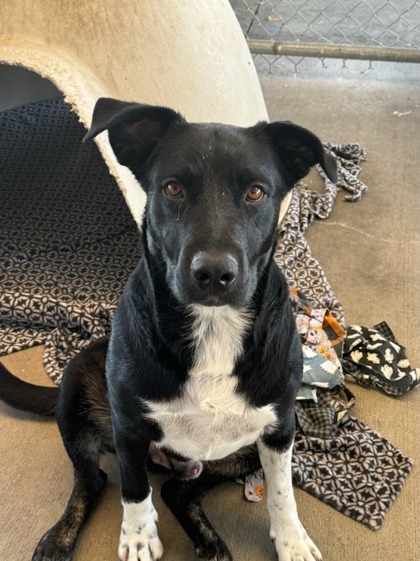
[{"x": 204, "y": 360}]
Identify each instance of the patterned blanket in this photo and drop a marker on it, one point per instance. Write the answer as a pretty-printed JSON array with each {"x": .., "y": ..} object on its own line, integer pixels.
[{"x": 67, "y": 239}]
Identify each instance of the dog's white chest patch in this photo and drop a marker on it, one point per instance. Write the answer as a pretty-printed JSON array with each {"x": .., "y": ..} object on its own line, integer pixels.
[{"x": 210, "y": 420}]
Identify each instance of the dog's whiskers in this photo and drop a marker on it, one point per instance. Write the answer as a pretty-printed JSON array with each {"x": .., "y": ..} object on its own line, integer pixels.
[{"x": 159, "y": 266}]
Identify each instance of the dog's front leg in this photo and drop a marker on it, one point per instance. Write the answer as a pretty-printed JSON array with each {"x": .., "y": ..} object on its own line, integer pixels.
[
  {"x": 290, "y": 538},
  {"x": 139, "y": 539}
]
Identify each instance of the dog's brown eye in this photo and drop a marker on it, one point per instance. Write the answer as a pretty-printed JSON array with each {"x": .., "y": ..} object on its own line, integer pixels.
[
  {"x": 254, "y": 194},
  {"x": 173, "y": 190}
]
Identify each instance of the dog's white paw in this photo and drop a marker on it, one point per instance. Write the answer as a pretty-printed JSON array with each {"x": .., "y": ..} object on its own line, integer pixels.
[
  {"x": 293, "y": 544},
  {"x": 139, "y": 540}
]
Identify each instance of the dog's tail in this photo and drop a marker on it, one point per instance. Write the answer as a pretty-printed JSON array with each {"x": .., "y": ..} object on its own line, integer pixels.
[{"x": 28, "y": 397}]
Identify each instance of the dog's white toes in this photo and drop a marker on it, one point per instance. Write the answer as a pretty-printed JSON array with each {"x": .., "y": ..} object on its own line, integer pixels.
[
  {"x": 298, "y": 552},
  {"x": 143, "y": 544},
  {"x": 297, "y": 546},
  {"x": 156, "y": 548},
  {"x": 316, "y": 554},
  {"x": 140, "y": 548}
]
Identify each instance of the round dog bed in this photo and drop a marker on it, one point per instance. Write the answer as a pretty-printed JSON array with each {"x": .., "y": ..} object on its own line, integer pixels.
[{"x": 190, "y": 56}]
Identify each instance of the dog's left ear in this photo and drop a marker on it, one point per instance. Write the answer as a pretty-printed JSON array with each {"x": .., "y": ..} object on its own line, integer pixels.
[
  {"x": 299, "y": 150},
  {"x": 134, "y": 129}
]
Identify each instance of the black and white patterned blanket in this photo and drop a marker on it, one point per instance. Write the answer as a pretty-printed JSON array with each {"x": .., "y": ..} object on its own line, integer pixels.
[{"x": 67, "y": 239}]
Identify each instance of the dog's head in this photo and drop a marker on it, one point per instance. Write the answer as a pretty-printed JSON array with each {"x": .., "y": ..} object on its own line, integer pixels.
[{"x": 213, "y": 192}]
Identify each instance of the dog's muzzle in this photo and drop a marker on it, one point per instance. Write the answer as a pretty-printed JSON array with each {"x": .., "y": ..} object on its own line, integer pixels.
[
  {"x": 210, "y": 277},
  {"x": 214, "y": 273}
]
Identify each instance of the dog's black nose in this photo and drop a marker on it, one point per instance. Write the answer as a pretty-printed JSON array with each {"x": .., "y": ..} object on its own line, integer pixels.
[{"x": 214, "y": 272}]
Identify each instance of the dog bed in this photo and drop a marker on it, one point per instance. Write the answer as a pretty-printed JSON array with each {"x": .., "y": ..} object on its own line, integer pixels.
[{"x": 191, "y": 56}]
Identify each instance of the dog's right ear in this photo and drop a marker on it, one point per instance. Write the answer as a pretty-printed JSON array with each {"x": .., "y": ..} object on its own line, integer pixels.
[{"x": 134, "y": 129}]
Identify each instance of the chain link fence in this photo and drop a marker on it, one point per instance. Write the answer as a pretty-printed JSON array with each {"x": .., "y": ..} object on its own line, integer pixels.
[{"x": 293, "y": 30}]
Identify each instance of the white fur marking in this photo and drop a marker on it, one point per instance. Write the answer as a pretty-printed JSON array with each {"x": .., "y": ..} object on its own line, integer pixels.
[
  {"x": 218, "y": 334},
  {"x": 210, "y": 420},
  {"x": 139, "y": 540},
  {"x": 291, "y": 540}
]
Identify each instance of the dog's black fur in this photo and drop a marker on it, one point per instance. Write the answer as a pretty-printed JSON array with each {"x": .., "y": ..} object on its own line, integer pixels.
[{"x": 209, "y": 233}]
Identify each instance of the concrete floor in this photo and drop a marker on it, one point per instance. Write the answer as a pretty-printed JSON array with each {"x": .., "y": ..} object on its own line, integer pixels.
[{"x": 371, "y": 253}]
